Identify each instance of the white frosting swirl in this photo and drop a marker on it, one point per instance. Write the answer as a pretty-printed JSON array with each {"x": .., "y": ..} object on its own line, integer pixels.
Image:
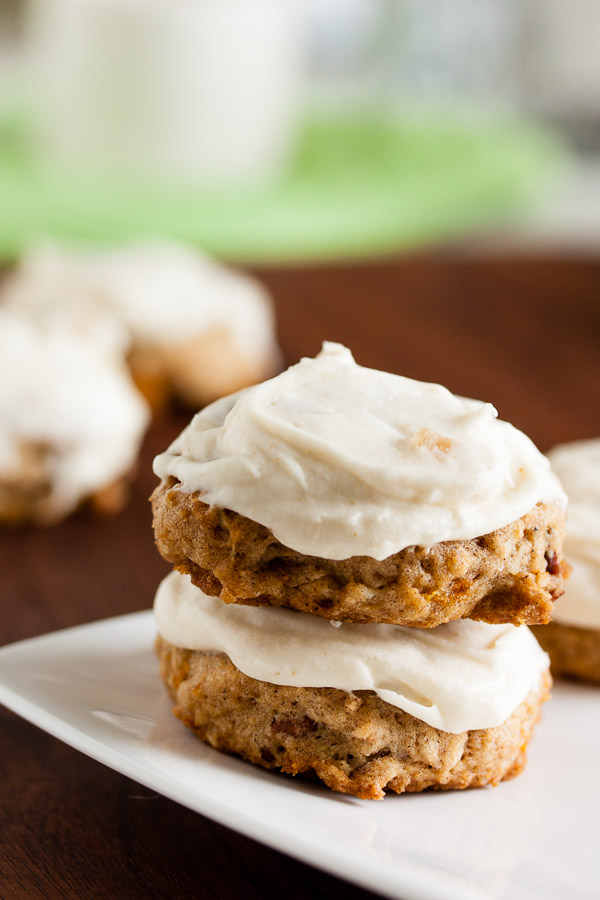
[
  {"x": 578, "y": 466},
  {"x": 340, "y": 460},
  {"x": 164, "y": 293},
  {"x": 456, "y": 677},
  {"x": 60, "y": 391}
]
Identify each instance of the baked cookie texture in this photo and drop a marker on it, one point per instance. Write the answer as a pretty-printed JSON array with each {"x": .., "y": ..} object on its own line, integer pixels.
[
  {"x": 573, "y": 651},
  {"x": 353, "y": 742},
  {"x": 512, "y": 575}
]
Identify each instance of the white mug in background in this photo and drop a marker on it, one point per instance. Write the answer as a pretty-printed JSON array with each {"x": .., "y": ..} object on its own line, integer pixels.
[
  {"x": 194, "y": 92},
  {"x": 561, "y": 75}
]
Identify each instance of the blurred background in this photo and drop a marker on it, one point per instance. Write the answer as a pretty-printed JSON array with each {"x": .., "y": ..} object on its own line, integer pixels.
[
  {"x": 291, "y": 130},
  {"x": 417, "y": 179}
]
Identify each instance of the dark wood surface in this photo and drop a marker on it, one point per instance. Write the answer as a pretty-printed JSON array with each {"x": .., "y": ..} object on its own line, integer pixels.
[{"x": 524, "y": 335}]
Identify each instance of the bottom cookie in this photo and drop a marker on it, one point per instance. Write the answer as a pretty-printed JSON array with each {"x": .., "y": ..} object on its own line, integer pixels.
[
  {"x": 354, "y": 742},
  {"x": 573, "y": 651}
]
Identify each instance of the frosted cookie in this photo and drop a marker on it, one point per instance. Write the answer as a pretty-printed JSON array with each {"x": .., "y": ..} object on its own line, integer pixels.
[
  {"x": 365, "y": 708},
  {"x": 362, "y": 496},
  {"x": 71, "y": 423},
  {"x": 573, "y": 637},
  {"x": 197, "y": 330}
]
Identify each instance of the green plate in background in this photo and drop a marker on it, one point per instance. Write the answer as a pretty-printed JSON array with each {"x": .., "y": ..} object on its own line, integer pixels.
[{"x": 360, "y": 186}]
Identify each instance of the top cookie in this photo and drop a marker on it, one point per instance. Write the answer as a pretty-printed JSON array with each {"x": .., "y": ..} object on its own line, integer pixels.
[{"x": 364, "y": 496}]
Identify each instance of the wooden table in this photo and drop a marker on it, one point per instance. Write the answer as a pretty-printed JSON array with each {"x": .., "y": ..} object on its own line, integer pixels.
[{"x": 522, "y": 334}]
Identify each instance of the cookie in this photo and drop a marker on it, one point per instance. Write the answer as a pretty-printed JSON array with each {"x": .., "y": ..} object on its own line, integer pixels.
[
  {"x": 512, "y": 575},
  {"x": 353, "y": 742},
  {"x": 197, "y": 370},
  {"x": 195, "y": 329},
  {"x": 365, "y": 707},
  {"x": 574, "y": 651},
  {"x": 573, "y": 637},
  {"x": 362, "y": 496},
  {"x": 71, "y": 423},
  {"x": 329, "y": 508}
]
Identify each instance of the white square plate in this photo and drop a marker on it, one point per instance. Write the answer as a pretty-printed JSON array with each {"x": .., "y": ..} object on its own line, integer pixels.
[{"x": 96, "y": 688}]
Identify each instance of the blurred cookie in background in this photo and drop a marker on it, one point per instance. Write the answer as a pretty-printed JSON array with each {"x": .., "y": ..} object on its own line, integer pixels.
[
  {"x": 573, "y": 637},
  {"x": 192, "y": 328},
  {"x": 71, "y": 422}
]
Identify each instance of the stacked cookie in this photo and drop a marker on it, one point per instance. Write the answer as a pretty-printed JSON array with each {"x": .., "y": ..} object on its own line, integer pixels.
[
  {"x": 573, "y": 637},
  {"x": 354, "y": 552}
]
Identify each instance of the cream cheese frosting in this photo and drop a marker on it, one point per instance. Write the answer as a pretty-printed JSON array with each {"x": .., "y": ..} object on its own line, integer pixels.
[
  {"x": 460, "y": 676},
  {"x": 61, "y": 392},
  {"x": 578, "y": 466},
  {"x": 163, "y": 292},
  {"x": 338, "y": 460}
]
